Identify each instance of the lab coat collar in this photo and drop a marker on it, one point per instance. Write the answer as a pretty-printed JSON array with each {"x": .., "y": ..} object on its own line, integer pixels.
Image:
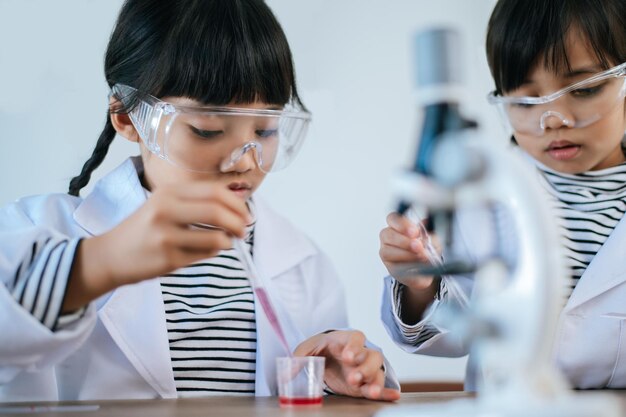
[
  {"x": 605, "y": 270},
  {"x": 113, "y": 199}
]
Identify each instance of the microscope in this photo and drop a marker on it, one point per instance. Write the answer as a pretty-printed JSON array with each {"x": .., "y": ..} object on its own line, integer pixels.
[{"x": 511, "y": 318}]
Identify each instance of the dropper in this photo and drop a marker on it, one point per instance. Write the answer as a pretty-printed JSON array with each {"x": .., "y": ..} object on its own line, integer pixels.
[
  {"x": 263, "y": 298},
  {"x": 260, "y": 292}
]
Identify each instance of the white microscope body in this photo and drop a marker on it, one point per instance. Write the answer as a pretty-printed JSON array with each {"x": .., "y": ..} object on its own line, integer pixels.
[{"x": 513, "y": 314}]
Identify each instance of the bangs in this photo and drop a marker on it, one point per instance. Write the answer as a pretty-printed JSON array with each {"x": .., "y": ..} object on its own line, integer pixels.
[
  {"x": 239, "y": 55},
  {"x": 526, "y": 33}
]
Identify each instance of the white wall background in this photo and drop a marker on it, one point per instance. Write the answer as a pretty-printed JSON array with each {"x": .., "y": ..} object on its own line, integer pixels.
[{"x": 355, "y": 72}]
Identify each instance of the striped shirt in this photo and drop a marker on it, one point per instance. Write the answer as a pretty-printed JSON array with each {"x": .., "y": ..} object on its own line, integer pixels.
[
  {"x": 589, "y": 206},
  {"x": 414, "y": 334},
  {"x": 211, "y": 327},
  {"x": 40, "y": 282}
]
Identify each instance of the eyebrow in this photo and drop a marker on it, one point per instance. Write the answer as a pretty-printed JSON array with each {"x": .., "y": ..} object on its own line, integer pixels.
[
  {"x": 584, "y": 70},
  {"x": 590, "y": 70}
]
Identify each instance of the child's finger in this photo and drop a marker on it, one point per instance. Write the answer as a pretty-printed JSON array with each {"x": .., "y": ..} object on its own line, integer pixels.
[
  {"x": 371, "y": 367},
  {"x": 199, "y": 240},
  {"x": 374, "y": 383},
  {"x": 397, "y": 255},
  {"x": 391, "y": 237},
  {"x": 403, "y": 225},
  {"x": 353, "y": 347},
  {"x": 202, "y": 193},
  {"x": 312, "y": 346},
  {"x": 185, "y": 213},
  {"x": 213, "y": 214},
  {"x": 373, "y": 389},
  {"x": 388, "y": 394}
]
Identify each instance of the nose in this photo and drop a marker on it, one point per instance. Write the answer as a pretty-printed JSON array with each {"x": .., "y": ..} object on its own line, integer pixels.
[
  {"x": 242, "y": 159},
  {"x": 554, "y": 120}
]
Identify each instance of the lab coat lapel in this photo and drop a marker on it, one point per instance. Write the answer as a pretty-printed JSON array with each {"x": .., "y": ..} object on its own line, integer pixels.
[
  {"x": 277, "y": 250},
  {"x": 141, "y": 337},
  {"x": 278, "y": 245},
  {"x": 605, "y": 271}
]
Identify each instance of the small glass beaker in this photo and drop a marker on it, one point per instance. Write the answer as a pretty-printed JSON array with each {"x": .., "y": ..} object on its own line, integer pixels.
[{"x": 300, "y": 380}]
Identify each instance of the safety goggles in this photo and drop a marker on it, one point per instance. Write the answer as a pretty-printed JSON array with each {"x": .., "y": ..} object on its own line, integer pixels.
[
  {"x": 214, "y": 139},
  {"x": 578, "y": 105}
]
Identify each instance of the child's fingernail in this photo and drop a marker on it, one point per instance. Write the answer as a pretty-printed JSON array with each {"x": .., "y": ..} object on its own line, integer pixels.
[
  {"x": 358, "y": 377},
  {"x": 413, "y": 231},
  {"x": 375, "y": 391},
  {"x": 349, "y": 355},
  {"x": 415, "y": 245}
]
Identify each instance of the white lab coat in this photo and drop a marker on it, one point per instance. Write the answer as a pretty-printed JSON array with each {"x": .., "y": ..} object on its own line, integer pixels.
[
  {"x": 590, "y": 342},
  {"x": 120, "y": 349}
]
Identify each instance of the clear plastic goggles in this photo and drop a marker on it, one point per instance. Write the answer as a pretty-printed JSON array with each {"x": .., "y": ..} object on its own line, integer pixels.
[
  {"x": 214, "y": 139},
  {"x": 578, "y": 105}
]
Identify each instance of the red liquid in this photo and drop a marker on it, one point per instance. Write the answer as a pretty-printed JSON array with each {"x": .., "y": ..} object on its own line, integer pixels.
[{"x": 293, "y": 402}]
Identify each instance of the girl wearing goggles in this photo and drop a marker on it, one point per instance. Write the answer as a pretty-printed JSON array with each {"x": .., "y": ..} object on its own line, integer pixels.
[
  {"x": 127, "y": 293},
  {"x": 560, "y": 73}
]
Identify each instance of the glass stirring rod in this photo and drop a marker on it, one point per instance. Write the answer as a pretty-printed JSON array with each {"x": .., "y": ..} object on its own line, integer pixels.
[{"x": 260, "y": 293}]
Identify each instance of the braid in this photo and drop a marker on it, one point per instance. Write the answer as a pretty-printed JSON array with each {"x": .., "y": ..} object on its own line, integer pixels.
[{"x": 102, "y": 147}]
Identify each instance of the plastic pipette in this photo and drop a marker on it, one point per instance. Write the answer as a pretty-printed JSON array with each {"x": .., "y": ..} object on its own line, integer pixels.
[
  {"x": 263, "y": 298},
  {"x": 435, "y": 259},
  {"x": 260, "y": 293}
]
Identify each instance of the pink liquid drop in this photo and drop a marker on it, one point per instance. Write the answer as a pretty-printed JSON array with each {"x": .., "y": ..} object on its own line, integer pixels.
[{"x": 303, "y": 401}]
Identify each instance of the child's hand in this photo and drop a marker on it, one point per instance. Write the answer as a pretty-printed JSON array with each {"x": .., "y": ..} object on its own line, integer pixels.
[
  {"x": 351, "y": 368},
  {"x": 400, "y": 244},
  {"x": 158, "y": 238}
]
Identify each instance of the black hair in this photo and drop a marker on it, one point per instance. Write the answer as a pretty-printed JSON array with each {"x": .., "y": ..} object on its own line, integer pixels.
[
  {"x": 523, "y": 32},
  {"x": 213, "y": 51}
]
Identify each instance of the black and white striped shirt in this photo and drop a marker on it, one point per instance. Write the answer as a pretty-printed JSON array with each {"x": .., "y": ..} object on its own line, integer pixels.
[
  {"x": 209, "y": 309},
  {"x": 588, "y": 207},
  {"x": 209, "y": 312},
  {"x": 40, "y": 282},
  {"x": 414, "y": 334}
]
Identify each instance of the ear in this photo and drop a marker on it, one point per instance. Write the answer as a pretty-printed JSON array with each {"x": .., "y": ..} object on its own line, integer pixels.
[{"x": 121, "y": 123}]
